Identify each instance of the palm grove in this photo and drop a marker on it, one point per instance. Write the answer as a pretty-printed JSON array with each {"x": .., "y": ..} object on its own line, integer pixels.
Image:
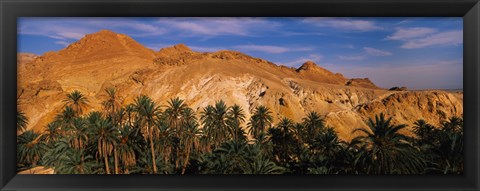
[{"x": 145, "y": 138}]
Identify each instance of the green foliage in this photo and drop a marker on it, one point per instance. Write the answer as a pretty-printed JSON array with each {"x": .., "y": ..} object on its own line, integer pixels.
[
  {"x": 383, "y": 150},
  {"x": 22, "y": 121},
  {"x": 140, "y": 138},
  {"x": 77, "y": 102},
  {"x": 29, "y": 148},
  {"x": 75, "y": 162},
  {"x": 260, "y": 121}
]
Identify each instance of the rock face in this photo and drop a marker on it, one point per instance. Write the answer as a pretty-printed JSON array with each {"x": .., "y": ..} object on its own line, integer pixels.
[
  {"x": 312, "y": 71},
  {"x": 38, "y": 170},
  {"x": 362, "y": 82},
  {"x": 106, "y": 59},
  {"x": 398, "y": 89}
]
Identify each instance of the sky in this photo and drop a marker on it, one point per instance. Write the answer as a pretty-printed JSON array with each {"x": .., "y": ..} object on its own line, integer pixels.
[{"x": 419, "y": 53}]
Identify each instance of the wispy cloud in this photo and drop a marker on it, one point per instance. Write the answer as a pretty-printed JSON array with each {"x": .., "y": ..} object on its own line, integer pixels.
[
  {"x": 206, "y": 49},
  {"x": 352, "y": 58},
  {"x": 344, "y": 24},
  {"x": 440, "y": 39},
  {"x": 420, "y": 37},
  {"x": 76, "y": 28},
  {"x": 301, "y": 60},
  {"x": 53, "y": 30},
  {"x": 68, "y": 35},
  {"x": 64, "y": 43},
  {"x": 376, "y": 52},
  {"x": 217, "y": 26},
  {"x": 367, "y": 51},
  {"x": 270, "y": 49},
  {"x": 262, "y": 48},
  {"x": 409, "y": 33}
]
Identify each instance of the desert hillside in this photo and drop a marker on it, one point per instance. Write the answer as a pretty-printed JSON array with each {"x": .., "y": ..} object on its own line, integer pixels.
[{"x": 107, "y": 59}]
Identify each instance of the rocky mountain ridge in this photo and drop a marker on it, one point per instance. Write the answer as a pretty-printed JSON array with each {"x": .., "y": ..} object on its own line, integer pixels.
[{"x": 107, "y": 59}]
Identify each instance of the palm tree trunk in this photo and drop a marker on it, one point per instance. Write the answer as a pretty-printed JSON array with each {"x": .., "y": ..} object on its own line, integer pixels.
[
  {"x": 116, "y": 160},
  {"x": 177, "y": 158},
  {"x": 152, "y": 149},
  {"x": 186, "y": 161},
  {"x": 106, "y": 164}
]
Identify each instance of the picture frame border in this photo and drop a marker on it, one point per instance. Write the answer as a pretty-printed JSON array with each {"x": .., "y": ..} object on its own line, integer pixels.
[{"x": 11, "y": 10}]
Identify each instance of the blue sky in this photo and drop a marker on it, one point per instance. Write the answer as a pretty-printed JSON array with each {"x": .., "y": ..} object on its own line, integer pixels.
[{"x": 420, "y": 53}]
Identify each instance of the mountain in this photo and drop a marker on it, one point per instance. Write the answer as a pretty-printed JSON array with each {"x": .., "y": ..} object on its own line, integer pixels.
[{"x": 107, "y": 59}]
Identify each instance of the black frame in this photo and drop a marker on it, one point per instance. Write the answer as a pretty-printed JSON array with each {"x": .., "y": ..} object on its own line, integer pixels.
[{"x": 10, "y": 10}]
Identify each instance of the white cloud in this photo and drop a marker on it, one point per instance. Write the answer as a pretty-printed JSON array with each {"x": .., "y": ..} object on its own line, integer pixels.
[
  {"x": 71, "y": 35},
  {"x": 206, "y": 49},
  {"x": 440, "y": 39},
  {"x": 54, "y": 31},
  {"x": 301, "y": 60},
  {"x": 376, "y": 52},
  {"x": 76, "y": 28},
  {"x": 270, "y": 49},
  {"x": 344, "y": 23},
  {"x": 64, "y": 43},
  {"x": 262, "y": 48},
  {"x": 217, "y": 26},
  {"x": 409, "y": 33},
  {"x": 352, "y": 58}
]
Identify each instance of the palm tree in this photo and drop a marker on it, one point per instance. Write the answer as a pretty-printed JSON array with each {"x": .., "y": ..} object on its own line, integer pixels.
[
  {"x": 22, "y": 121},
  {"x": 94, "y": 117},
  {"x": 79, "y": 134},
  {"x": 77, "y": 101},
  {"x": 65, "y": 118},
  {"x": 112, "y": 104},
  {"x": 52, "y": 133},
  {"x": 129, "y": 110},
  {"x": 75, "y": 162},
  {"x": 327, "y": 143},
  {"x": 383, "y": 150},
  {"x": 214, "y": 120},
  {"x": 261, "y": 164},
  {"x": 260, "y": 120},
  {"x": 449, "y": 153},
  {"x": 236, "y": 117},
  {"x": 29, "y": 148},
  {"x": 107, "y": 138},
  {"x": 424, "y": 131},
  {"x": 454, "y": 124},
  {"x": 165, "y": 141},
  {"x": 313, "y": 124},
  {"x": 52, "y": 157},
  {"x": 445, "y": 150},
  {"x": 331, "y": 149},
  {"x": 126, "y": 148},
  {"x": 173, "y": 114},
  {"x": 147, "y": 114},
  {"x": 229, "y": 158},
  {"x": 191, "y": 140},
  {"x": 281, "y": 137}
]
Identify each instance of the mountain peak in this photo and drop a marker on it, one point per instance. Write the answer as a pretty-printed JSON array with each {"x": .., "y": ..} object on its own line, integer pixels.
[
  {"x": 175, "y": 49},
  {"x": 104, "y": 44},
  {"x": 105, "y": 31},
  {"x": 308, "y": 65},
  {"x": 313, "y": 71},
  {"x": 182, "y": 47}
]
